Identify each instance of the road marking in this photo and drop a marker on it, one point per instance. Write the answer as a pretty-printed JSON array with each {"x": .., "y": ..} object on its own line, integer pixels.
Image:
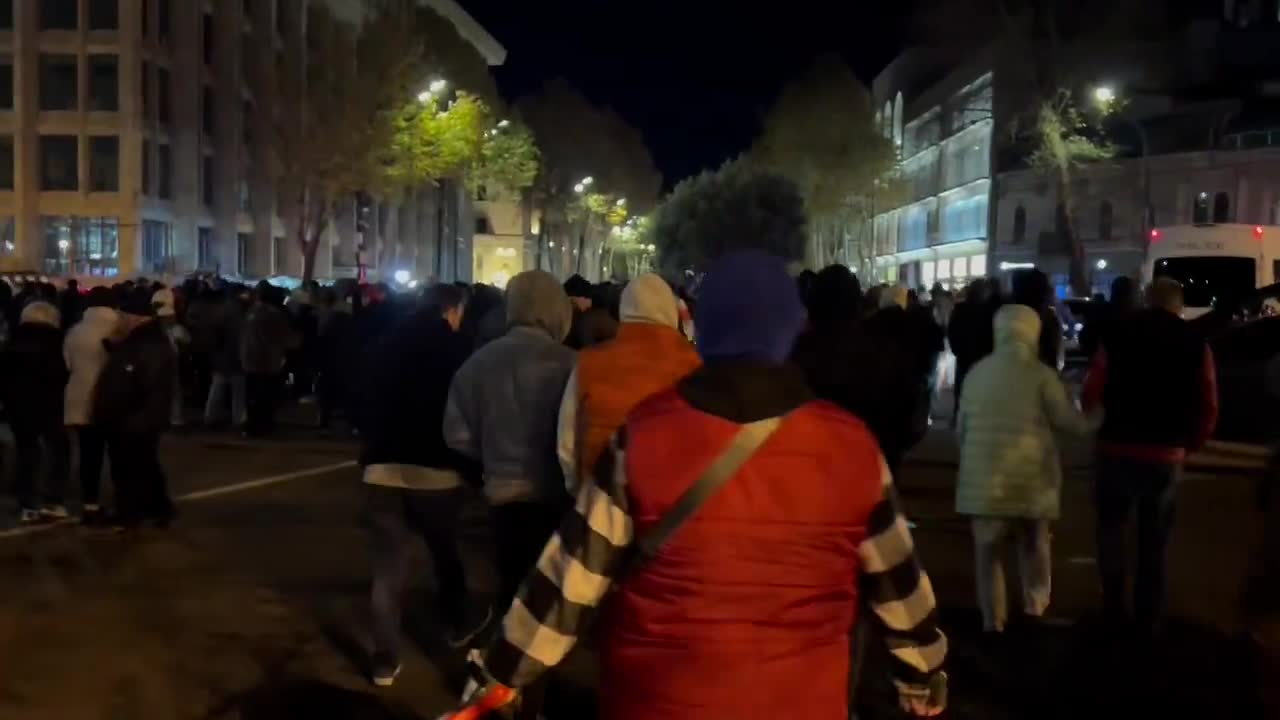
[
  {"x": 198, "y": 495},
  {"x": 263, "y": 482}
]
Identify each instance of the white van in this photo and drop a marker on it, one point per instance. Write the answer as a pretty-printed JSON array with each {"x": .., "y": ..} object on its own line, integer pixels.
[{"x": 1219, "y": 262}]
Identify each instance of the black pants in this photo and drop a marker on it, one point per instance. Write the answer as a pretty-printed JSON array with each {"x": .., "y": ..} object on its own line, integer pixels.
[
  {"x": 396, "y": 518},
  {"x": 1150, "y": 488},
  {"x": 142, "y": 490},
  {"x": 262, "y": 391},
  {"x": 93, "y": 448},
  {"x": 40, "y": 448},
  {"x": 521, "y": 530}
]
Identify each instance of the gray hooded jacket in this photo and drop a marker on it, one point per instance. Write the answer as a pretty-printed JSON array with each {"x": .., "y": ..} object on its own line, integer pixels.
[{"x": 504, "y": 401}]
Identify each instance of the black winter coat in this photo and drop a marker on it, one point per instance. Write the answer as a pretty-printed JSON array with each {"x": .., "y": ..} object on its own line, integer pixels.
[
  {"x": 400, "y": 412},
  {"x": 135, "y": 391},
  {"x": 34, "y": 376}
]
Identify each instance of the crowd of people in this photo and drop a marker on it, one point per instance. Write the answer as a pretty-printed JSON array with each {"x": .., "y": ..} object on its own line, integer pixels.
[{"x": 655, "y": 458}]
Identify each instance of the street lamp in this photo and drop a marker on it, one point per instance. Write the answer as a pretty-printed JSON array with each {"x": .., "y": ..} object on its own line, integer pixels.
[
  {"x": 579, "y": 188},
  {"x": 1102, "y": 264},
  {"x": 622, "y": 202},
  {"x": 503, "y": 123},
  {"x": 402, "y": 277},
  {"x": 588, "y": 180},
  {"x": 1104, "y": 94},
  {"x": 438, "y": 86},
  {"x": 425, "y": 96}
]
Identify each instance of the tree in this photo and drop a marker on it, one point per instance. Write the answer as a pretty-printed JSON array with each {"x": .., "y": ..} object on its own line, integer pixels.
[
  {"x": 1046, "y": 56},
  {"x": 737, "y": 207},
  {"x": 821, "y": 134},
  {"x": 578, "y": 140},
  {"x": 349, "y": 120}
]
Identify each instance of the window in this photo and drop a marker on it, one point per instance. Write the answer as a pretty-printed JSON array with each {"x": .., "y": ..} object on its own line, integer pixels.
[
  {"x": 146, "y": 91},
  {"x": 926, "y": 273},
  {"x": 164, "y": 157},
  {"x": 1200, "y": 210},
  {"x": 246, "y": 199},
  {"x": 156, "y": 246},
  {"x": 82, "y": 245},
  {"x": 960, "y": 268},
  {"x": 1105, "y": 218},
  {"x": 1019, "y": 225},
  {"x": 978, "y": 266},
  {"x": 1221, "y": 207},
  {"x": 162, "y": 99},
  {"x": 206, "y": 180},
  {"x": 942, "y": 270},
  {"x": 59, "y": 163},
  {"x": 58, "y": 82},
  {"x": 6, "y": 82},
  {"x": 6, "y": 162},
  {"x": 104, "y": 83},
  {"x": 58, "y": 14},
  {"x": 8, "y": 234},
  {"x": 207, "y": 111},
  {"x": 162, "y": 26},
  {"x": 6, "y": 22},
  {"x": 146, "y": 167},
  {"x": 206, "y": 35},
  {"x": 204, "y": 248},
  {"x": 242, "y": 253},
  {"x": 482, "y": 226},
  {"x": 104, "y": 164},
  {"x": 104, "y": 14}
]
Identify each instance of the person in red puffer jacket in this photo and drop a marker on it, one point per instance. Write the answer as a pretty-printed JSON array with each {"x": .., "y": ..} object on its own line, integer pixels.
[{"x": 747, "y": 608}]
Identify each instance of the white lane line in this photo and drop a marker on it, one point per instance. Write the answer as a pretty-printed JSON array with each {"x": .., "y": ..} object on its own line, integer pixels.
[
  {"x": 199, "y": 495},
  {"x": 263, "y": 482}
]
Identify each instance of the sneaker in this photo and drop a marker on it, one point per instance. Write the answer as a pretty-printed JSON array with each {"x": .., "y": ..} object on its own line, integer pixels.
[
  {"x": 385, "y": 670},
  {"x": 461, "y": 634},
  {"x": 54, "y": 512}
]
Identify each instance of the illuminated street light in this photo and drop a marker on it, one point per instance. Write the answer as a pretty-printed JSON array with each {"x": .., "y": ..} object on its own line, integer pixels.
[
  {"x": 579, "y": 188},
  {"x": 402, "y": 277},
  {"x": 503, "y": 123},
  {"x": 1102, "y": 264},
  {"x": 64, "y": 244},
  {"x": 588, "y": 180},
  {"x": 438, "y": 86},
  {"x": 413, "y": 284},
  {"x": 1104, "y": 94},
  {"x": 622, "y": 202}
]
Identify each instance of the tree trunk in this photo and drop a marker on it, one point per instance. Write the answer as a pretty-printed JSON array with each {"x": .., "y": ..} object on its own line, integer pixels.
[{"x": 1076, "y": 274}]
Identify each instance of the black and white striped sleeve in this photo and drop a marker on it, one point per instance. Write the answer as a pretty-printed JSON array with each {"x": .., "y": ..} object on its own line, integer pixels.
[
  {"x": 898, "y": 591},
  {"x": 576, "y": 569}
]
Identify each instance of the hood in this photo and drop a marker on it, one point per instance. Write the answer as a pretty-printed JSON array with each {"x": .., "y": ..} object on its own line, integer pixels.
[
  {"x": 748, "y": 309},
  {"x": 648, "y": 299},
  {"x": 41, "y": 313},
  {"x": 535, "y": 299},
  {"x": 1017, "y": 326},
  {"x": 100, "y": 315},
  {"x": 164, "y": 303}
]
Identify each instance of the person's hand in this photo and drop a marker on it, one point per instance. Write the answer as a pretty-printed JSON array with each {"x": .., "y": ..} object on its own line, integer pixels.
[{"x": 924, "y": 701}]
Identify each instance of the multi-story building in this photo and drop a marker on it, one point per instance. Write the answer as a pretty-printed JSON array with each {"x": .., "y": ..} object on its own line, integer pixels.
[
  {"x": 933, "y": 226},
  {"x": 134, "y": 138},
  {"x": 503, "y": 244}
]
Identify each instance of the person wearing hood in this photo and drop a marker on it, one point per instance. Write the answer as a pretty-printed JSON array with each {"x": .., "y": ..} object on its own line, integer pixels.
[
  {"x": 34, "y": 380},
  {"x": 502, "y": 410},
  {"x": 648, "y": 355},
  {"x": 132, "y": 402},
  {"x": 85, "y": 355},
  {"x": 710, "y": 493},
  {"x": 1010, "y": 478},
  {"x": 971, "y": 328}
]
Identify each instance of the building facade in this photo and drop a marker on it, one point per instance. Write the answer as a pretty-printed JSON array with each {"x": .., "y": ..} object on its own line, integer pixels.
[
  {"x": 134, "y": 139},
  {"x": 1231, "y": 185},
  {"x": 933, "y": 227}
]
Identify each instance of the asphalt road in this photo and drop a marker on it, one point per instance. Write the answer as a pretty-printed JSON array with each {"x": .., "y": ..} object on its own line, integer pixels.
[{"x": 254, "y": 606}]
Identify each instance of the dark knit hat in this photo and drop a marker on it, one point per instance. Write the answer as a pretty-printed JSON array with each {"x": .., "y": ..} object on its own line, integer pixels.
[{"x": 748, "y": 309}]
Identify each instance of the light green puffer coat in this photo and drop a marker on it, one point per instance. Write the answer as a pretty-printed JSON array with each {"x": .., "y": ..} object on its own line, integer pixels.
[{"x": 1011, "y": 406}]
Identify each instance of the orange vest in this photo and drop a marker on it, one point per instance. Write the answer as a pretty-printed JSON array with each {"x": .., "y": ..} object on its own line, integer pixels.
[
  {"x": 643, "y": 359},
  {"x": 746, "y": 611}
]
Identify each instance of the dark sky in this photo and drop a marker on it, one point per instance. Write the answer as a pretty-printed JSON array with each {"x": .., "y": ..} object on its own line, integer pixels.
[{"x": 694, "y": 76}]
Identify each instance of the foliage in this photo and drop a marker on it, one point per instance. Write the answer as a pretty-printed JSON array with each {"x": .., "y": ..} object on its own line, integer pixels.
[
  {"x": 509, "y": 159},
  {"x": 736, "y": 207},
  {"x": 1065, "y": 139},
  {"x": 348, "y": 120}
]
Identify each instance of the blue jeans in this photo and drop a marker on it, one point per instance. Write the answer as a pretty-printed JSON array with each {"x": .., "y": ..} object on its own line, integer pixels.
[{"x": 1151, "y": 488}]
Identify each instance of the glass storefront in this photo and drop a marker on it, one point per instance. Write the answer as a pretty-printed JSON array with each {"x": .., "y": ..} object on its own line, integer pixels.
[{"x": 75, "y": 245}]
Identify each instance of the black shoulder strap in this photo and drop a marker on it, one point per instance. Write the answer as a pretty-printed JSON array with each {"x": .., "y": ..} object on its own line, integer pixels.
[{"x": 744, "y": 445}]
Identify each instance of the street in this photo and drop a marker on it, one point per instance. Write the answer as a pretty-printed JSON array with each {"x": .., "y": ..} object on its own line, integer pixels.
[{"x": 255, "y": 605}]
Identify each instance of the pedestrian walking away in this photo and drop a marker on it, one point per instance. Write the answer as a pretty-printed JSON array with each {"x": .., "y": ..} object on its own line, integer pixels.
[
  {"x": 414, "y": 481},
  {"x": 1154, "y": 379},
  {"x": 1010, "y": 480},
  {"x": 85, "y": 354},
  {"x": 716, "y": 488},
  {"x": 33, "y": 381}
]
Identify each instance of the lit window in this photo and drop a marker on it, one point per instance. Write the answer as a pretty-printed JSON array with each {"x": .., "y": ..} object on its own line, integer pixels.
[
  {"x": 978, "y": 265},
  {"x": 944, "y": 269},
  {"x": 926, "y": 273},
  {"x": 960, "y": 268}
]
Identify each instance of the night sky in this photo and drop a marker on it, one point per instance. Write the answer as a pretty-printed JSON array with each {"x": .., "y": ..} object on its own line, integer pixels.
[{"x": 694, "y": 76}]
